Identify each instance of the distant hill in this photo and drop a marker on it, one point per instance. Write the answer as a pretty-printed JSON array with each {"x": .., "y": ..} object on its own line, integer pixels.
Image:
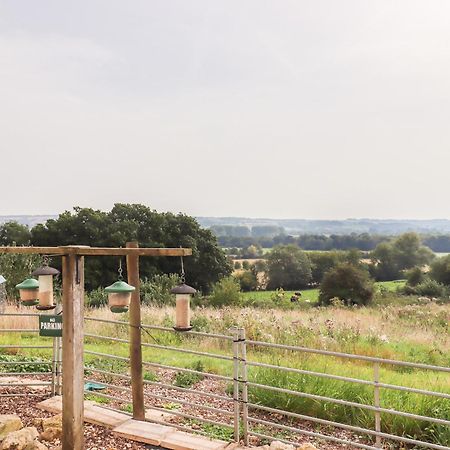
[
  {"x": 307, "y": 226},
  {"x": 295, "y": 226},
  {"x": 30, "y": 221}
]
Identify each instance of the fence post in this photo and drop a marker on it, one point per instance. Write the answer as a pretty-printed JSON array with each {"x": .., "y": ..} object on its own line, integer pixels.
[
  {"x": 137, "y": 379},
  {"x": 59, "y": 367},
  {"x": 54, "y": 366},
  {"x": 236, "y": 403},
  {"x": 244, "y": 379},
  {"x": 376, "y": 392},
  {"x": 57, "y": 357}
]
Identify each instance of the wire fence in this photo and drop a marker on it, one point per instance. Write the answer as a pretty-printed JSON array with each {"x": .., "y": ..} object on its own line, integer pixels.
[
  {"x": 236, "y": 406},
  {"x": 247, "y": 418},
  {"x": 17, "y": 364}
]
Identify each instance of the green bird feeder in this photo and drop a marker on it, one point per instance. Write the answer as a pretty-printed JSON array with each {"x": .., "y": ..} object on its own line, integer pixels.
[
  {"x": 29, "y": 292},
  {"x": 119, "y": 296}
]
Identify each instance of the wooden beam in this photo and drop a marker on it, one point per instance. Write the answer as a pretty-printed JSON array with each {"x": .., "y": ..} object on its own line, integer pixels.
[
  {"x": 73, "y": 365},
  {"x": 137, "y": 380},
  {"x": 97, "y": 251}
]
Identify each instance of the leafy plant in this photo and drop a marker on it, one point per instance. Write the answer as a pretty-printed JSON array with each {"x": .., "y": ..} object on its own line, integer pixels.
[{"x": 188, "y": 379}]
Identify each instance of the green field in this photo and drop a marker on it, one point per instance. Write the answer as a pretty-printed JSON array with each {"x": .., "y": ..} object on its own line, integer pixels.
[{"x": 309, "y": 296}]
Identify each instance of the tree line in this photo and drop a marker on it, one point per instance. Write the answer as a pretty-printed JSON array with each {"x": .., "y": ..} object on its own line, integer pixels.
[
  {"x": 127, "y": 222},
  {"x": 439, "y": 243},
  {"x": 349, "y": 275}
]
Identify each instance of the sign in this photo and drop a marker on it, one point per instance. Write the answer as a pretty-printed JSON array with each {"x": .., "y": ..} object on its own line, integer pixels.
[{"x": 50, "y": 326}]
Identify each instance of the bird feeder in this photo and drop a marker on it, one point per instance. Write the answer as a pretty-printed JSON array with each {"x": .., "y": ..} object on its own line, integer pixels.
[
  {"x": 29, "y": 292},
  {"x": 119, "y": 296},
  {"x": 45, "y": 274},
  {"x": 183, "y": 294}
]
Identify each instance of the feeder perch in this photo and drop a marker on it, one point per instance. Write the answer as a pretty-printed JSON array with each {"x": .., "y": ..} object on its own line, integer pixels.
[
  {"x": 45, "y": 274},
  {"x": 29, "y": 292},
  {"x": 119, "y": 296},
  {"x": 183, "y": 294}
]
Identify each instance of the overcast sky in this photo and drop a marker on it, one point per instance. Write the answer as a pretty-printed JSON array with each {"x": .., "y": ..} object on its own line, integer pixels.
[{"x": 294, "y": 109}]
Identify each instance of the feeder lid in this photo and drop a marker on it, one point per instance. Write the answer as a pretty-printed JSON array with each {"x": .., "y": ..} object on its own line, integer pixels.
[
  {"x": 29, "y": 283},
  {"x": 120, "y": 287},
  {"x": 183, "y": 289},
  {"x": 2, "y": 279},
  {"x": 45, "y": 270}
]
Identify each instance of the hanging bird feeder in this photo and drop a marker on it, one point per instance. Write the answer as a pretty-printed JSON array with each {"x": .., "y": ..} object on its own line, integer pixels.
[
  {"x": 29, "y": 292},
  {"x": 45, "y": 274},
  {"x": 183, "y": 294},
  {"x": 119, "y": 294}
]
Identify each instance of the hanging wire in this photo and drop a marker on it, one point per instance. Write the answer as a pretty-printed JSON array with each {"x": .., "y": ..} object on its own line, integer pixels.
[
  {"x": 120, "y": 270},
  {"x": 183, "y": 275}
]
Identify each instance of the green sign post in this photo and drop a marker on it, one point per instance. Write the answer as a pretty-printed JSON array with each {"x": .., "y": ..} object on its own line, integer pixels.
[{"x": 50, "y": 326}]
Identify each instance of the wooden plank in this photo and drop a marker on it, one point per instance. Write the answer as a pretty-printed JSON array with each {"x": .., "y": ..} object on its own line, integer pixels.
[
  {"x": 179, "y": 440},
  {"x": 73, "y": 373},
  {"x": 137, "y": 380},
  {"x": 97, "y": 251},
  {"x": 104, "y": 417},
  {"x": 105, "y": 251},
  {"x": 146, "y": 432}
]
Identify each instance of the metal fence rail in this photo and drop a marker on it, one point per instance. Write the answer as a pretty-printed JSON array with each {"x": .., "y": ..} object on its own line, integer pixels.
[
  {"x": 238, "y": 411},
  {"x": 243, "y": 410},
  {"x": 54, "y": 363}
]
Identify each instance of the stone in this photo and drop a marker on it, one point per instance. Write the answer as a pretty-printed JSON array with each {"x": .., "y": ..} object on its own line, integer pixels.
[
  {"x": 52, "y": 422},
  {"x": 307, "y": 446},
  {"x": 276, "y": 445},
  {"x": 19, "y": 440},
  {"x": 9, "y": 423},
  {"x": 36, "y": 445},
  {"x": 52, "y": 427},
  {"x": 50, "y": 434}
]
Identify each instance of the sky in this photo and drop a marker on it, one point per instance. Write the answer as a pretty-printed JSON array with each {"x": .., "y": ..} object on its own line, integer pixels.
[{"x": 279, "y": 109}]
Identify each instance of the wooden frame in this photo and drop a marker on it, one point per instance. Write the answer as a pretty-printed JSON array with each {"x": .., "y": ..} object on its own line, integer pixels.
[{"x": 73, "y": 321}]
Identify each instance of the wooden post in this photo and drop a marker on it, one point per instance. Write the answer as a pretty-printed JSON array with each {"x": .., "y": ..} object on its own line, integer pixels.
[
  {"x": 137, "y": 380},
  {"x": 73, "y": 365}
]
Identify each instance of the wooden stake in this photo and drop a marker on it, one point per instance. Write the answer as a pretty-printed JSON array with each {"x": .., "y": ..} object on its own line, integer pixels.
[
  {"x": 137, "y": 380},
  {"x": 73, "y": 365}
]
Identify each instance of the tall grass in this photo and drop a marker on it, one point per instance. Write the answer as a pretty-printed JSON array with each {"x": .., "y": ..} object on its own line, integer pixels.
[{"x": 418, "y": 333}]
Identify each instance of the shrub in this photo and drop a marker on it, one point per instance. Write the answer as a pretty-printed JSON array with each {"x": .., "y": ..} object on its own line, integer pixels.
[
  {"x": 440, "y": 270},
  {"x": 247, "y": 281},
  {"x": 415, "y": 276},
  {"x": 15, "y": 268},
  {"x": 188, "y": 379},
  {"x": 225, "y": 292},
  {"x": 156, "y": 290},
  {"x": 96, "y": 298},
  {"x": 347, "y": 282},
  {"x": 237, "y": 265},
  {"x": 245, "y": 265},
  {"x": 431, "y": 288}
]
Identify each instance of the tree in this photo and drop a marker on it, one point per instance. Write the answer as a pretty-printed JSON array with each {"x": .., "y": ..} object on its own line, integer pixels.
[
  {"x": 440, "y": 270},
  {"x": 252, "y": 252},
  {"x": 126, "y": 222},
  {"x": 322, "y": 262},
  {"x": 288, "y": 268},
  {"x": 405, "y": 252},
  {"x": 14, "y": 233},
  {"x": 349, "y": 283}
]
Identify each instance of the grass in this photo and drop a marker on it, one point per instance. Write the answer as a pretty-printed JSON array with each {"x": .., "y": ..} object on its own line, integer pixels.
[{"x": 389, "y": 329}]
